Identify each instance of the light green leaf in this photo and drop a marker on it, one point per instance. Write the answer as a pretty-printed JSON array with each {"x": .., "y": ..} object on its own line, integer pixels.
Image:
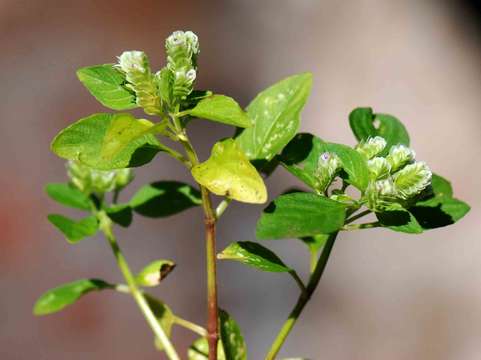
[
  {"x": 164, "y": 198},
  {"x": 234, "y": 345},
  {"x": 164, "y": 316},
  {"x": 315, "y": 243},
  {"x": 154, "y": 272},
  {"x": 276, "y": 116},
  {"x": 298, "y": 215},
  {"x": 56, "y": 299},
  {"x": 364, "y": 124},
  {"x": 106, "y": 84},
  {"x": 441, "y": 186},
  {"x": 229, "y": 173},
  {"x": 68, "y": 195},
  {"x": 439, "y": 211},
  {"x": 108, "y": 141},
  {"x": 75, "y": 231},
  {"x": 222, "y": 109},
  {"x": 255, "y": 255},
  {"x": 199, "y": 350}
]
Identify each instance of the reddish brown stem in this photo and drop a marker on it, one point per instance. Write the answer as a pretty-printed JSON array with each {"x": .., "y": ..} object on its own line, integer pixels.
[{"x": 212, "y": 319}]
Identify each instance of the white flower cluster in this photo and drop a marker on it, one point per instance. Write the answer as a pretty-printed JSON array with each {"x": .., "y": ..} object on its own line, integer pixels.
[
  {"x": 327, "y": 166},
  {"x": 394, "y": 178}
]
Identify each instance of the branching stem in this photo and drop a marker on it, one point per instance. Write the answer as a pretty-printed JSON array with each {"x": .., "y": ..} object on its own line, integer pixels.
[
  {"x": 303, "y": 299},
  {"x": 106, "y": 226}
]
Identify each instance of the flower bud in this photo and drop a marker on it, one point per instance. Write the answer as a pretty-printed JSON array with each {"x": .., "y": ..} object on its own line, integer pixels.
[
  {"x": 135, "y": 65},
  {"x": 371, "y": 147},
  {"x": 412, "y": 179},
  {"x": 90, "y": 180},
  {"x": 399, "y": 155},
  {"x": 379, "y": 168},
  {"x": 380, "y": 194},
  {"x": 154, "y": 273},
  {"x": 327, "y": 166}
]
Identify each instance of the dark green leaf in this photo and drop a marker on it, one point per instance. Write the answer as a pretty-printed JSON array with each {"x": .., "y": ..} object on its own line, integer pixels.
[
  {"x": 56, "y": 299},
  {"x": 75, "y": 231},
  {"x": 276, "y": 116},
  {"x": 255, "y": 255},
  {"x": 105, "y": 83},
  {"x": 399, "y": 219},
  {"x": 222, "y": 109},
  {"x": 234, "y": 345},
  {"x": 108, "y": 141},
  {"x": 120, "y": 214},
  {"x": 164, "y": 198},
  {"x": 300, "y": 214},
  {"x": 364, "y": 124},
  {"x": 439, "y": 211},
  {"x": 301, "y": 158},
  {"x": 68, "y": 195}
]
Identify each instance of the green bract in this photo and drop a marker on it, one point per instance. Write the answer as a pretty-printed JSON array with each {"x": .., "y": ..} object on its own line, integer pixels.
[{"x": 379, "y": 176}]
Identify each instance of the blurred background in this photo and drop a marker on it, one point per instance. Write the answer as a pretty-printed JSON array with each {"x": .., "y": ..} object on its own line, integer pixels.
[{"x": 384, "y": 295}]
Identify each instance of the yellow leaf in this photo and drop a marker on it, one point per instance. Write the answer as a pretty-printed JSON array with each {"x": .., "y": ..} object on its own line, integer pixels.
[{"x": 228, "y": 172}]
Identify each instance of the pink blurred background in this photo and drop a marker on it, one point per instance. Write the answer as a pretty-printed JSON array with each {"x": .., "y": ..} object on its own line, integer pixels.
[{"x": 384, "y": 296}]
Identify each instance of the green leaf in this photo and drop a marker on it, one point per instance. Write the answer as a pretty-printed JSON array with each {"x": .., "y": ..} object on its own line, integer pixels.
[
  {"x": 164, "y": 198},
  {"x": 234, "y": 345},
  {"x": 229, "y": 173},
  {"x": 199, "y": 350},
  {"x": 75, "y": 231},
  {"x": 68, "y": 195},
  {"x": 440, "y": 186},
  {"x": 298, "y": 215},
  {"x": 301, "y": 158},
  {"x": 255, "y": 255},
  {"x": 108, "y": 141},
  {"x": 222, "y": 109},
  {"x": 399, "y": 219},
  {"x": 364, "y": 124},
  {"x": 164, "y": 316},
  {"x": 276, "y": 116},
  {"x": 154, "y": 272},
  {"x": 120, "y": 214},
  {"x": 56, "y": 299},
  {"x": 106, "y": 84}
]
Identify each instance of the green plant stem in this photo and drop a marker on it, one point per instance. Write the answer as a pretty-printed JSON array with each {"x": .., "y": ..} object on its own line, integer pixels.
[
  {"x": 303, "y": 299},
  {"x": 106, "y": 226},
  {"x": 298, "y": 280},
  {"x": 357, "y": 216},
  {"x": 210, "y": 247},
  {"x": 313, "y": 260},
  {"x": 191, "y": 326}
]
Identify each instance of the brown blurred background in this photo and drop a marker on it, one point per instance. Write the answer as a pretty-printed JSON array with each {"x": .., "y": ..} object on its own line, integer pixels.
[{"x": 384, "y": 296}]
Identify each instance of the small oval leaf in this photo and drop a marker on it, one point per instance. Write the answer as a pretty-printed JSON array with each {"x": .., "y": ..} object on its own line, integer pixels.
[
  {"x": 222, "y": 109},
  {"x": 56, "y": 299},
  {"x": 75, "y": 231},
  {"x": 229, "y": 173},
  {"x": 154, "y": 272},
  {"x": 68, "y": 195},
  {"x": 255, "y": 255},
  {"x": 106, "y": 84}
]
